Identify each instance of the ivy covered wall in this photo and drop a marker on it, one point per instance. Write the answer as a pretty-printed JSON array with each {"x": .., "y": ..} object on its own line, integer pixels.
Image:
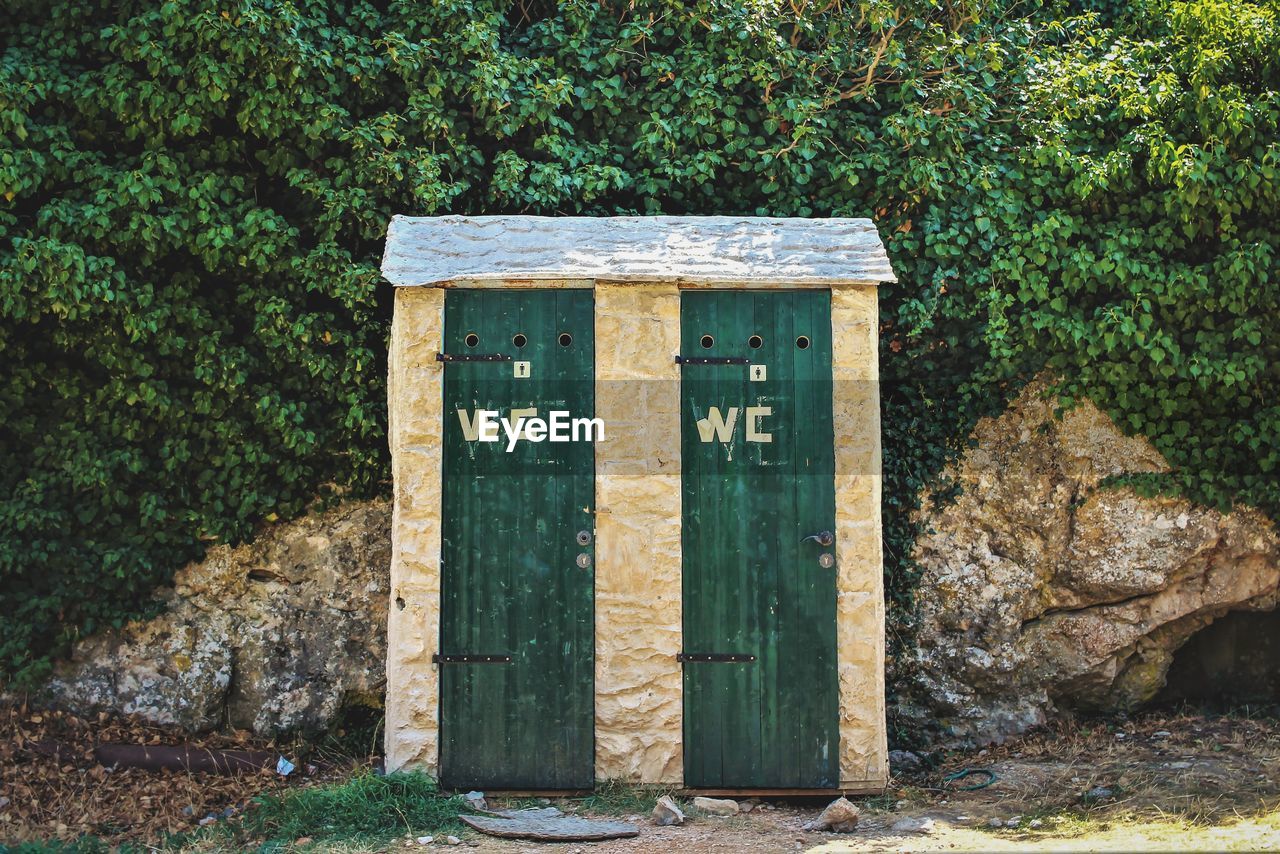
[{"x": 193, "y": 196}]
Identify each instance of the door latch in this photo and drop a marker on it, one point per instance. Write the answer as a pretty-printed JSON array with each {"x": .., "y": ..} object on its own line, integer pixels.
[
  {"x": 712, "y": 360},
  {"x": 822, "y": 538},
  {"x": 721, "y": 657},
  {"x": 472, "y": 357}
]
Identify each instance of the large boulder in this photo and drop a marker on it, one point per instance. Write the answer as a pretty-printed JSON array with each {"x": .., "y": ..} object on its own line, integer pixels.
[
  {"x": 1044, "y": 590},
  {"x": 274, "y": 636}
]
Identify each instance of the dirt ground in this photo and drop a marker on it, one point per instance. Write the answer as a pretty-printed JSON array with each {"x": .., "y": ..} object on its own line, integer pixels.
[
  {"x": 1149, "y": 783},
  {"x": 782, "y": 834},
  {"x": 1186, "y": 783}
]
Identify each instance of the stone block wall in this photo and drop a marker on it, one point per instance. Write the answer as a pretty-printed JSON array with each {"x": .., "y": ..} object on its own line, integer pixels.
[{"x": 638, "y": 526}]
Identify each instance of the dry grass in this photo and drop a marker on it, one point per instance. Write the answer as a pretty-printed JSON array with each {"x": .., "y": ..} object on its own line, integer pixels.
[{"x": 57, "y": 792}]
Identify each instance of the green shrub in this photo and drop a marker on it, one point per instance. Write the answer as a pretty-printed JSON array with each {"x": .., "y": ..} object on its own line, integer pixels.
[
  {"x": 193, "y": 196},
  {"x": 364, "y": 808}
]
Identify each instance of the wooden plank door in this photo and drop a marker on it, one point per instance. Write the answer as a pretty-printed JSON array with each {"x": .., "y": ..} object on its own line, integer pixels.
[
  {"x": 761, "y": 696},
  {"x": 517, "y": 580}
]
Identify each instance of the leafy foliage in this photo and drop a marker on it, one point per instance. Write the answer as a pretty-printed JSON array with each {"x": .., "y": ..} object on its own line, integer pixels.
[
  {"x": 365, "y": 809},
  {"x": 194, "y": 195}
]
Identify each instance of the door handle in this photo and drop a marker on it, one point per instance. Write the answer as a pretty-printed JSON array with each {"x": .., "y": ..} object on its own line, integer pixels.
[{"x": 822, "y": 538}]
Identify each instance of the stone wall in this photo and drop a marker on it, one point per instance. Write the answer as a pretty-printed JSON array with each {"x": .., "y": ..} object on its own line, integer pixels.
[
  {"x": 415, "y": 385},
  {"x": 860, "y": 610},
  {"x": 639, "y": 713}
]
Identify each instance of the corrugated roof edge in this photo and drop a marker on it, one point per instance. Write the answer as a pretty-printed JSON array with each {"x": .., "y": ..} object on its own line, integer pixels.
[{"x": 427, "y": 251}]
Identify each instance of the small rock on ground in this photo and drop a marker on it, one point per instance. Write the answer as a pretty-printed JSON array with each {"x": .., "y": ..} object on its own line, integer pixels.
[
  {"x": 840, "y": 816},
  {"x": 666, "y": 812},
  {"x": 716, "y": 806}
]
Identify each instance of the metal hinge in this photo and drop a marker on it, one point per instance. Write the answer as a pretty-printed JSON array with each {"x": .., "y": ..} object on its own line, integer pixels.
[
  {"x": 730, "y": 657},
  {"x": 712, "y": 360},
  {"x": 440, "y": 658},
  {"x": 472, "y": 357}
]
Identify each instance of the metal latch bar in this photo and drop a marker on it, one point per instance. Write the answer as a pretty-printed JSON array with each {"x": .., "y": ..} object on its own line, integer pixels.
[
  {"x": 441, "y": 658},
  {"x": 730, "y": 657},
  {"x": 712, "y": 360},
  {"x": 472, "y": 357}
]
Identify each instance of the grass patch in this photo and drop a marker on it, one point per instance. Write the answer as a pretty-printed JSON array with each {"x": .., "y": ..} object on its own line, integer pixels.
[
  {"x": 363, "y": 810},
  {"x": 83, "y": 845},
  {"x": 614, "y": 797}
]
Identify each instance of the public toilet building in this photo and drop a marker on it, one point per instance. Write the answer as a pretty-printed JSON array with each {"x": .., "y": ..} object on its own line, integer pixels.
[{"x": 637, "y": 503}]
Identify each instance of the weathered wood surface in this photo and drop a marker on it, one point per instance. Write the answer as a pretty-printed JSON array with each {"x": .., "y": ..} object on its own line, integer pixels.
[
  {"x": 510, "y": 584},
  {"x": 728, "y": 250},
  {"x": 752, "y": 581},
  {"x": 549, "y": 825}
]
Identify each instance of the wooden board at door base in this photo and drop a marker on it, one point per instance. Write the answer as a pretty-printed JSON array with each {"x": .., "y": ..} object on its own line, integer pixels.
[
  {"x": 761, "y": 693},
  {"x": 517, "y": 614}
]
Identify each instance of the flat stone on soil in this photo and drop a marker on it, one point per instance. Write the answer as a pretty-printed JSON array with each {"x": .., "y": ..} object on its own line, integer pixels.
[
  {"x": 913, "y": 824},
  {"x": 537, "y": 825},
  {"x": 716, "y": 806}
]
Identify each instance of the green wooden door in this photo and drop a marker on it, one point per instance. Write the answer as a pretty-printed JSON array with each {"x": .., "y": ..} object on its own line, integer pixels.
[
  {"x": 516, "y": 558},
  {"x": 758, "y": 504}
]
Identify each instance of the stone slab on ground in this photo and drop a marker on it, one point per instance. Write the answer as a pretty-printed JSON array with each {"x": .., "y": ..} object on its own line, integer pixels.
[{"x": 541, "y": 826}]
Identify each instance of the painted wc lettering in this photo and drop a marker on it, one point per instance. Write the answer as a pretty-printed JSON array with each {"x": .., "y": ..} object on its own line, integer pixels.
[
  {"x": 719, "y": 427},
  {"x": 715, "y": 427},
  {"x": 473, "y": 422},
  {"x": 483, "y": 425}
]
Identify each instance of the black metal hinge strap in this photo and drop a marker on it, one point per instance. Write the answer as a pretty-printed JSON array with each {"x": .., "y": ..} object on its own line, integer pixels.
[
  {"x": 729, "y": 657},
  {"x": 440, "y": 658},
  {"x": 472, "y": 357},
  {"x": 712, "y": 360}
]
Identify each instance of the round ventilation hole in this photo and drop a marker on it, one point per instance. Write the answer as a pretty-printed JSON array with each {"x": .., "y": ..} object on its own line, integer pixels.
[
  {"x": 519, "y": 340},
  {"x": 707, "y": 341},
  {"x": 472, "y": 339},
  {"x": 755, "y": 342},
  {"x": 565, "y": 339},
  {"x": 803, "y": 342}
]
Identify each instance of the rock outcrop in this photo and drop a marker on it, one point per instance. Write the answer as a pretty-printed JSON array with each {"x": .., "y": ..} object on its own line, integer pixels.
[
  {"x": 274, "y": 636},
  {"x": 1043, "y": 590}
]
